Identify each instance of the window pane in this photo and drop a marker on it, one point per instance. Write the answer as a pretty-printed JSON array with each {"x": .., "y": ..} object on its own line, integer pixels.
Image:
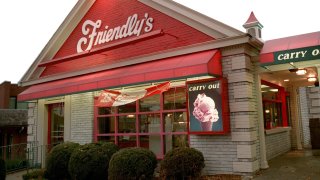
[
  {"x": 127, "y": 141},
  {"x": 272, "y": 115},
  {"x": 149, "y": 123},
  {"x": 152, "y": 142},
  {"x": 175, "y": 122},
  {"x": 106, "y": 138},
  {"x": 151, "y": 103},
  {"x": 174, "y": 141},
  {"x": 106, "y": 110},
  {"x": 106, "y": 125},
  {"x": 127, "y": 108},
  {"x": 127, "y": 124},
  {"x": 175, "y": 98}
]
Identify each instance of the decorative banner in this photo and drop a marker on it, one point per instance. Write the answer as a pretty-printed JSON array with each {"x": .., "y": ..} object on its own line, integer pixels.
[
  {"x": 208, "y": 106},
  {"x": 110, "y": 98}
]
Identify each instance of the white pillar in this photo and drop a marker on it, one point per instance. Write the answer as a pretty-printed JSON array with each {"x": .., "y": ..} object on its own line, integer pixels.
[{"x": 262, "y": 139}]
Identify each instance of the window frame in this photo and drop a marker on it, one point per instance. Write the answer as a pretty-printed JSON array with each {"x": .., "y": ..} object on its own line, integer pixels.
[
  {"x": 281, "y": 99},
  {"x": 162, "y": 133}
]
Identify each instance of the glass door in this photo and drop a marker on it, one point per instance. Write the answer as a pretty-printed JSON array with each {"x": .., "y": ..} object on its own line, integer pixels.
[{"x": 56, "y": 124}]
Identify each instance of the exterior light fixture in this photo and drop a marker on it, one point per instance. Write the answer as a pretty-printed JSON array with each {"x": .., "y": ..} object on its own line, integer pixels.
[
  {"x": 312, "y": 79},
  {"x": 267, "y": 111},
  {"x": 286, "y": 80},
  {"x": 274, "y": 90},
  {"x": 301, "y": 72}
]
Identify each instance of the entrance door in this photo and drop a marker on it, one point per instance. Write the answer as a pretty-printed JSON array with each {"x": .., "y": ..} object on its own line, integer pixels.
[{"x": 56, "y": 123}]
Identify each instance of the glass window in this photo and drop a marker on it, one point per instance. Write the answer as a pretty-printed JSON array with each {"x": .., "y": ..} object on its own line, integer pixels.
[
  {"x": 106, "y": 138},
  {"x": 175, "y": 122},
  {"x": 127, "y": 108},
  {"x": 274, "y": 105},
  {"x": 127, "y": 141},
  {"x": 106, "y": 110},
  {"x": 151, "y": 103},
  {"x": 149, "y": 123},
  {"x": 22, "y": 105},
  {"x": 106, "y": 125},
  {"x": 174, "y": 141},
  {"x": 175, "y": 98},
  {"x": 127, "y": 124},
  {"x": 152, "y": 142},
  {"x": 56, "y": 123},
  {"x": 146, "y": 123}
]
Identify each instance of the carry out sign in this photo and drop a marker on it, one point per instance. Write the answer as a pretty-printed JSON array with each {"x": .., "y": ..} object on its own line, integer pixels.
[{"x": 296, "y": 55}]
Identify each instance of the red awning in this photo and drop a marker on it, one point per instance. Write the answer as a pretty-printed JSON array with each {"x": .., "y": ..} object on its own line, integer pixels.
[
  {"x": 283, "y": 44},
  {"x": 201, "y": 63}
]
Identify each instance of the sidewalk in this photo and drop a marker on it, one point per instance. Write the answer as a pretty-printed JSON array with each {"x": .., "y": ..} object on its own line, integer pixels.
[
  {"x": 16, "y": 175},
  {"x": 294, "y": 165}
]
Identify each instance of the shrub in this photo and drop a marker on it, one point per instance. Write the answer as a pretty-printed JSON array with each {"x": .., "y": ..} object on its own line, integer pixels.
[
  {"x": 58, "y": 159},
  {"x": 91, "y": 161},
  {"x": 182, "y": 163},
  {"x": 2, "y": 169},
  {"x": 35, "y": 174},
  {"x": 132, "y": 163}
]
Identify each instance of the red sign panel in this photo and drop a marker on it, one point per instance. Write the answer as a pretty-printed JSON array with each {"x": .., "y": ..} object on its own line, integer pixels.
[{"x": 114, "y": 21}]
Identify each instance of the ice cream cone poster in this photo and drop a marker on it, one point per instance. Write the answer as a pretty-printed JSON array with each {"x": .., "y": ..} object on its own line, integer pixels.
[{"x": 206, "y": 106}]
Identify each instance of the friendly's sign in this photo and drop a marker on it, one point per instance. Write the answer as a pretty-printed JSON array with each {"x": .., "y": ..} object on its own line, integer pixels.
[
  {"x": 92, "y": 35},
  {"x": 296, "y": 55}
]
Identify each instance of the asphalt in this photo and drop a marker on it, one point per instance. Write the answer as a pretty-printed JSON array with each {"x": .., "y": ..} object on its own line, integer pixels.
[{"x": 294, "y": 165}]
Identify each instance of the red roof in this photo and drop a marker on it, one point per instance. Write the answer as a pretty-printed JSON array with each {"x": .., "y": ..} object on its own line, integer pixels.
[
  {"x": 201, "y": 63},
  {"x": 252, "y": 18}
]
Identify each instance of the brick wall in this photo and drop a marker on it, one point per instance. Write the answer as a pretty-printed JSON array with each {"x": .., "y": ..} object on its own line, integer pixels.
[
  {"x": 32, "y": 122},
  {"x": 277, "y": 144},
  {"x": 314, "y": 99},
  {"x": 82, "y": 118},
  {"x": 304, "y": 109}
]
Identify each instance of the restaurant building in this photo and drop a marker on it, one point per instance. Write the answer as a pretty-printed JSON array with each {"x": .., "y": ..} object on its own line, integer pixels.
[{"x": 158, "y": 75}]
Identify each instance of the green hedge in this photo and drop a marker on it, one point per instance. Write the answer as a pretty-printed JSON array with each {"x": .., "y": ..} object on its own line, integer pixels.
[
  {"x": 58, "y": 160},
  {"x": 35, "y": 174},
  {"x": 181, "y": 163},
  {"x": 91, "y": 161},
  {"x": 132, "y": 163}
]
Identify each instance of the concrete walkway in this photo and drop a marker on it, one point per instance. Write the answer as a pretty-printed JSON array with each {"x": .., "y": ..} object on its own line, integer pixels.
[
  {"x": 294, "y": 165},
  {"x": 16, "y": 175}
]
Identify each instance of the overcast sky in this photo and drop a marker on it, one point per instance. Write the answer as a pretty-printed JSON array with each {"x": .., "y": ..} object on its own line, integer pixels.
[{"x": 26, "y": 26}]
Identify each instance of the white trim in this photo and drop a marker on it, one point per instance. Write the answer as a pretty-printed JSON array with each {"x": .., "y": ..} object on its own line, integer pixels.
[
  {"x": 148, "y": 58},
  {"x": 193, "y": 18}
]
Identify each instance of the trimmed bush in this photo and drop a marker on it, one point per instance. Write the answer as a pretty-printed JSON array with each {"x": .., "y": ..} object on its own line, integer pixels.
[
  {"x": 181, "y": 163},
  {"x": 132, "y": 163},
  {"x": 91, "y": 161},
  {"x": 2, "y": 169},
  {"x": 58, "y": 159},
  {"x": 35, "y": 174}
]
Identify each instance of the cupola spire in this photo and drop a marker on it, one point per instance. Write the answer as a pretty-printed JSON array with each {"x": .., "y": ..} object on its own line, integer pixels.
[{"x": 253, "y": 26}]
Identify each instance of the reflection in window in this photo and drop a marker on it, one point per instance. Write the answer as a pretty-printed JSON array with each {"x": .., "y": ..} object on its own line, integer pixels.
[
  {"x": 127, "y": 108},
  {"x": 127, "y": 124},
  {"x": 175, "y": 122},
  {"x": 272, "y": 115},
  {"x": 106, "y": 125},
  {"x": 151, "y": 103},
  {"x": 149, "y": 123},
  {"x": 127, "y": 141},
  {"x": 175, "y": 98},
  {"x": 152, "y": 142},
  {"x": 106, "y": 138},
  {"x": 106, "y": 110},
  {"x": 174, "y": 141}
]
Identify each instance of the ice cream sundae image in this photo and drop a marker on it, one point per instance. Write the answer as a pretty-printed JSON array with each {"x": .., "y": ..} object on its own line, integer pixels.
[{"x": 205, "y": 111}]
